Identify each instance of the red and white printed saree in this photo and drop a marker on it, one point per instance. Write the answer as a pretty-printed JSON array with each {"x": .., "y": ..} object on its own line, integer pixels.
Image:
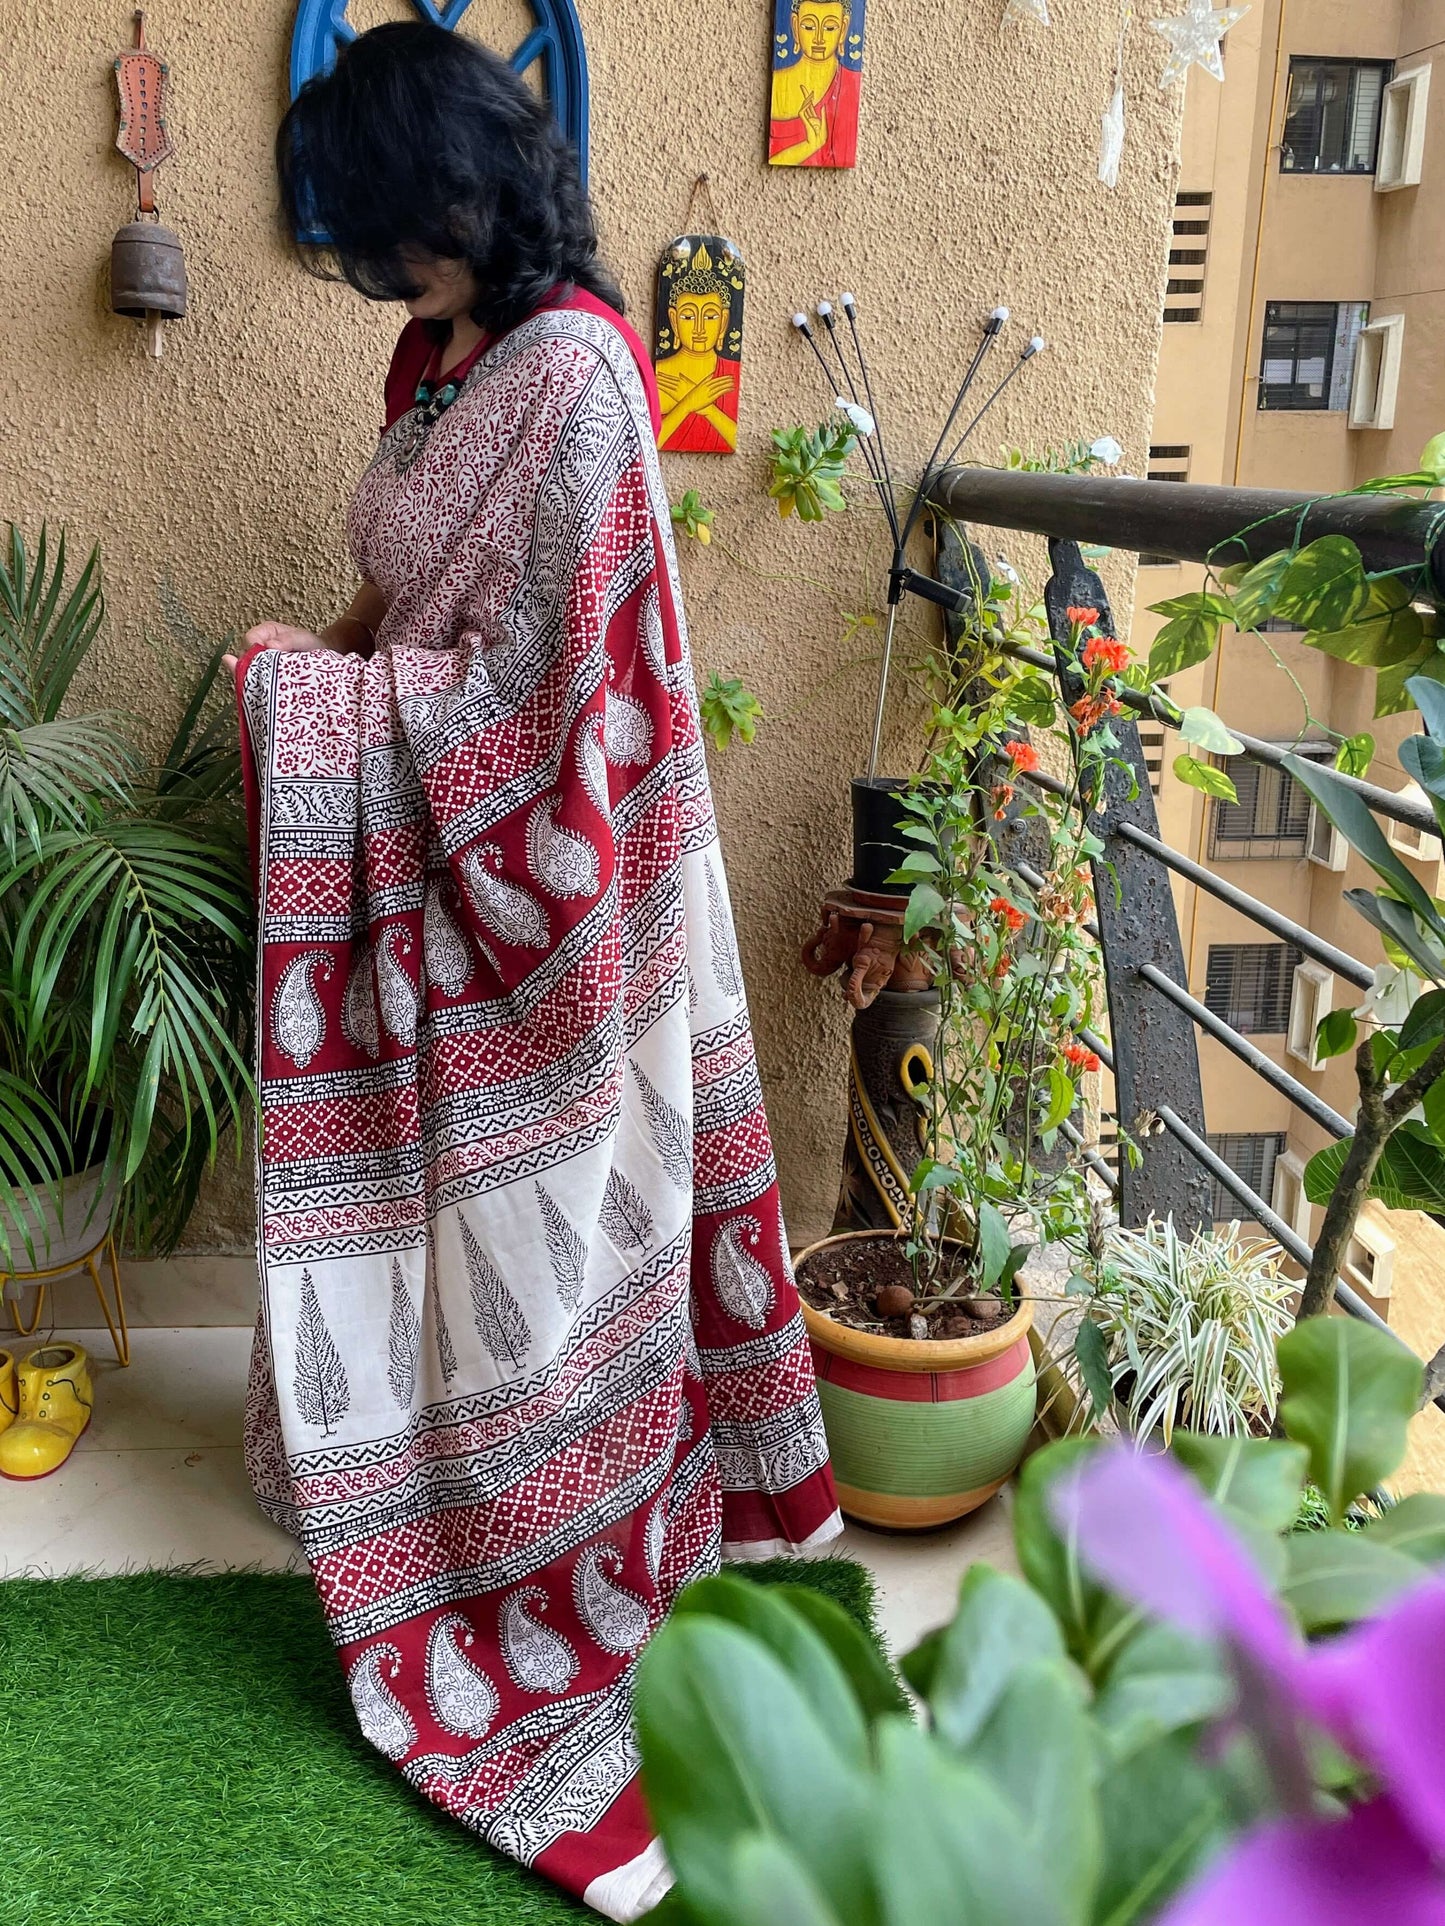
[{"x": 529, "y": 1356}]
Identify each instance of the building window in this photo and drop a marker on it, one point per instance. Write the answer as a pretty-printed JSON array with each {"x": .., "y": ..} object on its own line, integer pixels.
[
  {"x": 1418, "y": 844},
  {"x": 1189, "y": 247},
  {"x": 1271, "y": 817},
  {"x": 1370, "y": 1260},
  {"x": 1376, "y": 379},
  {"x": 1287, "y": 1194},
  {"x": 1332, "y": 117},
  {"x": 1402, "y": 131},
  {"x": 1251, "y": 1156},
  {"x": 1309, "y": 353},
  {"x": 1248, "y": 985}
]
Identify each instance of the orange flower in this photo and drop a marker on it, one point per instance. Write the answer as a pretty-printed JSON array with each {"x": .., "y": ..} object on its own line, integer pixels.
[
  {"x": 1003, "y": 795},
  {"x": 1089, "y": 711},
  {"x": 1083, "y": 618},
  {"x": 1080, "y": 1058},
  {"x": 1023, "y": 755},
  {"x": 1015, "y": 918},
  {"x": 1102, "y": 648}
]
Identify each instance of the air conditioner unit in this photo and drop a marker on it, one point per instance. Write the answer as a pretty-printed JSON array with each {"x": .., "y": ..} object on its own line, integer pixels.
[
  {"x": 1376, "y": 380},
  {"x": 1312, "y": 996},
  {"x": 1401, "y": 160},
  {"x": 1323, "y": 842},
  {"x": 1287, "y": 1194}
]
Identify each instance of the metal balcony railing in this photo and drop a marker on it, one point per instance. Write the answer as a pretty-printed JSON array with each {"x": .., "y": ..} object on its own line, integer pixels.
[{"x": 1154, "y": 1018}]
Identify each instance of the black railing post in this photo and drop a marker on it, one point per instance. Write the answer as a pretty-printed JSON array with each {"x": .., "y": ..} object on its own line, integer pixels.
[{"x": 1156, "y": 1059}]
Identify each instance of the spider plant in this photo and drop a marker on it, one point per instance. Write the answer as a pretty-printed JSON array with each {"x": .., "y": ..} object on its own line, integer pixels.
[
  {"x": 1181, "y": 1331},
  {"x": 125, "y": 922}
]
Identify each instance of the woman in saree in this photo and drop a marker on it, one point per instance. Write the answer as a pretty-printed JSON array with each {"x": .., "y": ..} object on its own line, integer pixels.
[{"x": 529, "y": 1356}]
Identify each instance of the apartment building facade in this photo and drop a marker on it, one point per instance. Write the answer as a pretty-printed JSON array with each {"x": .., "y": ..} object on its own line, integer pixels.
[{"x": 1305, "y": 350}]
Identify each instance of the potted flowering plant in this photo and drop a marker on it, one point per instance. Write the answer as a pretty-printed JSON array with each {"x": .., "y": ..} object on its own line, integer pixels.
[{"x": 921, "y": 1335}]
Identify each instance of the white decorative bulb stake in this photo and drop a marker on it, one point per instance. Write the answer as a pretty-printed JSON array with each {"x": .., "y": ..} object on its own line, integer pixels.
[
  {"x": 1021, "y": 10},
  {"x": 1194, "y": 38}
]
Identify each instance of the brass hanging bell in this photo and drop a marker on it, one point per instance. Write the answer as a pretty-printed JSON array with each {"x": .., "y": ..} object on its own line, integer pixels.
[{"x": 147, "y": 271}]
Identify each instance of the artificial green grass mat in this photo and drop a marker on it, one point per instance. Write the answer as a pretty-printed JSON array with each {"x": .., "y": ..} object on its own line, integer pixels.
[{"x": 181, "y": 1751}]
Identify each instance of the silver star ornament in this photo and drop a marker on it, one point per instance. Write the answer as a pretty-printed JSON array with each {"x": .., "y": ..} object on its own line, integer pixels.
[{"x": 1194, "y": 38}]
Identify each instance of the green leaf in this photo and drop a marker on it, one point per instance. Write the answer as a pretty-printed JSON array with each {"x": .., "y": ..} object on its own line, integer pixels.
[
  {"x": 1386, "y": 632},
  {"x": 1323, "y": 586},
  {"x": 728, "y": 1739},
  {"x": 771, "y": 1888},
  {"x": 1092, "y": 1353},
  {"x": 1424, "y": 1021},
  {"x": 925, "y": 906},
  {"x": 1432, "y": 459},
  {"x": 771, "y": 1621},
  {"x": 1203, "y": 727},
  {"x": 1190, "y": 633},
  {"x": 1409, "y": 1176},
  {"x": 1204, "y": 775},
  {"x": 1336, "y": 1577},
  {"x": 1252, "y": 593},
  {"x": 1392, "y": 686},
  {"x": 999, "y": 1626},
  {"x": 1406, "y": 944},
  {"x": 1355, "y": 754},
  {"x": 1350, "y": 814},
  {"x": 727, "y": 710},
  {"x": 1087, "y": 1614},
  {"x": 874, "y": 1683},
  {"x": 1337, "y": 1033},
  {"x": 1416, "y": 1527},
  {"x": 1349, "y": 1394},
  {"x": 1062, "y": 1097},
  {"x": 1254, "y": 1480},
  {"x": 994, "y": 1244},
  {"x": 1162, "y": 1816},
  {"x": 1161, "y": 1681}
]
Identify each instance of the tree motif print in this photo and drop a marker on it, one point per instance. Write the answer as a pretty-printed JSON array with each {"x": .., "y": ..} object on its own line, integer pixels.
[
  {"x": 624, "y": 1214},
  {"x": 298, "y": 1022},
  {"x": 744, "y": 1287},
  {"x": 403, "y": 1340},
  {"x": 515, "y": 915},
  {"x": 627, "y": 730},
  {"x": 720, "y": 934},
  {"x": 359, "y": 1023},
  {"x": 561, "y": 860},
  {"x": 446, "y": 1350},
  {"x": 500, "y": 1323},
  {"x": 323, "y": 1395},
  {"x": 670, "y": 1132},
  {"x": 565, "y": 1248}
]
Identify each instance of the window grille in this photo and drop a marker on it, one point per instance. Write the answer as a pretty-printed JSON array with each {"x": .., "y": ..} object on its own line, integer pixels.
[
  {"x": 1249, "y": 985},
  {"x": 1251, "y": 1156},
  {"x": 1308, "y": 359},
  {"x": 1271, "y": 817},
  {"x": 1332, "y": 116}
]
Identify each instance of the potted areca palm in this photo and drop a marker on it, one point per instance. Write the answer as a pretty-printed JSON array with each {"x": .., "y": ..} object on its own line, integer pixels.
[{"x": 125, "y": 934}]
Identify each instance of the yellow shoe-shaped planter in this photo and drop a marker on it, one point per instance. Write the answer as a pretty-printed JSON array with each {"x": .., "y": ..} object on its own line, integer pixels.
[
  {"x": 9, "y": 1391},
  {"x": 55, "y": 1402}
]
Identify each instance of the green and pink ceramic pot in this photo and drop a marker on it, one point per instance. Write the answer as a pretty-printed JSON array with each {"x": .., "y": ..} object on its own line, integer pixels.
[{"x": 921, "y": 1431}]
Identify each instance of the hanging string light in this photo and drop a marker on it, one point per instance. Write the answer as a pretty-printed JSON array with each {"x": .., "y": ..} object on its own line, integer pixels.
[{"x": 1194, "y": 38}]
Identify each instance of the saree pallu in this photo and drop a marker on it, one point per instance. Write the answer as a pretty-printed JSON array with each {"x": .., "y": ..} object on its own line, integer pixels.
[{"x": 529, "y": 1356}]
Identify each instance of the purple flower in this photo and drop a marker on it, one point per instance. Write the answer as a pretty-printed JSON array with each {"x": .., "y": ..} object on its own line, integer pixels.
[{"x": 1145, "y": 1530}]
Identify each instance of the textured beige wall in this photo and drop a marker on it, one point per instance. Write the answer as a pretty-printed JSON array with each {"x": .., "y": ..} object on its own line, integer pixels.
[{"x": 226, "y": 466}]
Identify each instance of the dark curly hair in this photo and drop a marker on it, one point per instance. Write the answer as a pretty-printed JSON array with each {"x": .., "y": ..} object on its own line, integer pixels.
[{"x": 421, "y": 138}]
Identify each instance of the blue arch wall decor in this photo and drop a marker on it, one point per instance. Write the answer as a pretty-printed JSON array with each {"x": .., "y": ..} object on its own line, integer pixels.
[{"x": 556, "y": 40}]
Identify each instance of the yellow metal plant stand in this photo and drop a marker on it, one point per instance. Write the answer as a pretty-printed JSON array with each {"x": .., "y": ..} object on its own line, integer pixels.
[{"x": 42, "y": 1280}]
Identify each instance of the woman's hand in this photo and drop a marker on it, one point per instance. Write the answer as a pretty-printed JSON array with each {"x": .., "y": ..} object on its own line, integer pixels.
[{"x": 275, "y": 635}]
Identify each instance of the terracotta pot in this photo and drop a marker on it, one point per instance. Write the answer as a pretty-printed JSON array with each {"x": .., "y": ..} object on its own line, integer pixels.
[
  {"x": 921, "y": 1431},
  {"x": 68, "y": 1225}
]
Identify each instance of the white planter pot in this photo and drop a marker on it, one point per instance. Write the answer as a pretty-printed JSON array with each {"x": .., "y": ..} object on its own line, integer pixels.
[{"x": 67, "y": 1226}]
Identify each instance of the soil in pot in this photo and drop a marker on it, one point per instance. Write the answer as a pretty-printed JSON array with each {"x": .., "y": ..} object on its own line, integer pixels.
[{"x": 846, "y": 1279}]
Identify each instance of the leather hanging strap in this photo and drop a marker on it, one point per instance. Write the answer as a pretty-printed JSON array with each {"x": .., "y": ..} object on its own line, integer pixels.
[{"x": 140, "y": 77}]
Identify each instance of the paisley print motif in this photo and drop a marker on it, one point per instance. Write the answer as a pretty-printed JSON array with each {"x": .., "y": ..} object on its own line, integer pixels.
[
  {"x": 298, "y": 1022},
  {"x": 395, "y": 990},
  {"x": 515, "y": 915},
  {"x": 616, "y": 1617},
  {"x": 655, "y": 1537},
  {"x": 462, "y": 1699},
  {"x": 538, "y": 1658},
  {"x": 359, "y": 1023},
  {"x": 592, "y": 762},
  {"x": 443, "y": 947},
  {"x": 561, "y": 860},
  {"x": 383, "y": 1719},
  {"x": 627, "y": 732},
  {"x": 743, "y": 1285},
  {"x": 654, "y": 643}
]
